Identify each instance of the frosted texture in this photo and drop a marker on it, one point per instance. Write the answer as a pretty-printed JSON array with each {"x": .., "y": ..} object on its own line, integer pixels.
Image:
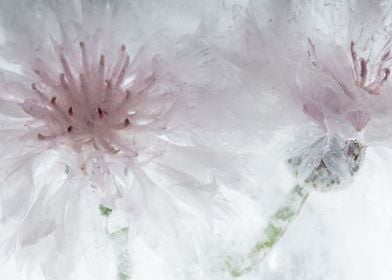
[{"x": 197, "y": 140}]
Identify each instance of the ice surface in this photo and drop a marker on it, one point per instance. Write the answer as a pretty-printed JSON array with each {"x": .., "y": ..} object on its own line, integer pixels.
[{"x": 212, "y": 198}]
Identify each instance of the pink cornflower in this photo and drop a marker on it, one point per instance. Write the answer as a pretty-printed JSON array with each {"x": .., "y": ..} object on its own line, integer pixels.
[{"x": 88, "y": 102}]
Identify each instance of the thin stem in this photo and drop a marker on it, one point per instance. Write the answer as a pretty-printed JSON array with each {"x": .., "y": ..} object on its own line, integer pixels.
[
  {"x": 120, "y": 240},
  {"x": 277, "y": 226}
]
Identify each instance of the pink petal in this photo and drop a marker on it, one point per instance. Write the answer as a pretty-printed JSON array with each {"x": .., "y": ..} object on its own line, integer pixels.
[
  {"x": 358, "y": 119},
  {"x": 314, "y": 111}
]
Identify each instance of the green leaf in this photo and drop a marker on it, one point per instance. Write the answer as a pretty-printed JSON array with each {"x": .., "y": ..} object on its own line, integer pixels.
[{"x": 105, "y": 211}]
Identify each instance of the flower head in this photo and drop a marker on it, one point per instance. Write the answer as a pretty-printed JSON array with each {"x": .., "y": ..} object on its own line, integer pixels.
[
  {"x": 321, "y": 74},
  {"x": 87, "y": 106},
  {"x": 94, "y": 100}
]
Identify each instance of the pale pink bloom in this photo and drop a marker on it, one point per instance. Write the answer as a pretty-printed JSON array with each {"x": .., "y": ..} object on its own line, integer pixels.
[
  {"x": 90, "y": 97},
  {"x": 316, "y": 70},
  {"x": 314, "y": 82},
  {"x": 328, "y": 90},
  {"x": 336, "y": 98}
]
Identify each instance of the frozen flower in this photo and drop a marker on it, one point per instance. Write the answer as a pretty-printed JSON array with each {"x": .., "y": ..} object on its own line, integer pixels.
[
  {"x": 326, "y": 89},
  {"x": 317, "y": 69},
  {"x": 89, "y": 101}
]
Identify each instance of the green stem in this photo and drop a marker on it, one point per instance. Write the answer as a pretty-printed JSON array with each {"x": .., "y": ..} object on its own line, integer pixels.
[
  {"x": 120, "y": 240},
  {"x": 277, "y": 226}
]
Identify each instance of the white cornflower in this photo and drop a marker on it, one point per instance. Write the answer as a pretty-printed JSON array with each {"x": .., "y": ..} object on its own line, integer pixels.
[
  {"x": 316, "y": 78},
  {"x": 88, "y": 103}
]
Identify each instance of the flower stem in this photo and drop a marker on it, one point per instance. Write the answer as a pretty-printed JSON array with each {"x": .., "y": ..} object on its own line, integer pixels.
[
  {"x": 120, "y": 240},
  {"x": 277, "y": 226}
]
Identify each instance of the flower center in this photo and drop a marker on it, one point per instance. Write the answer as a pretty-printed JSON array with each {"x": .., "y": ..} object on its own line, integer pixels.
[{"x": 83, "y": 99}]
